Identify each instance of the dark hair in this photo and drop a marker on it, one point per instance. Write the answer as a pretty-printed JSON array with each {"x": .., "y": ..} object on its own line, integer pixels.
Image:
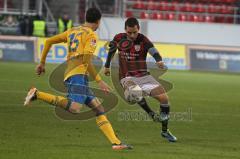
[
  {"x": 93, "y": 15},
  {"x": 131, "y": 22}
]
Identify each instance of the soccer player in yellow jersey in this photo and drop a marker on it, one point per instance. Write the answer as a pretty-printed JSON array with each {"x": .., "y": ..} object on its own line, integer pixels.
[{"x": 81, "y": 43}]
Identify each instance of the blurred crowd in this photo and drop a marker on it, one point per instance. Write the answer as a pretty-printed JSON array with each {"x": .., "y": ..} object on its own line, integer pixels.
[{"x": 27, "y": 25}]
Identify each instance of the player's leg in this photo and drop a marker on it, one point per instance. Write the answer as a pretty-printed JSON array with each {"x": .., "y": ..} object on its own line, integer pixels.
[
  {"x": 128, "y": 82},
  {"x": 144, "y": 105},
  {"x": 54, "y": 100},
  {"x": 153, "y": 88},
  {"x": 160, "y": 94},
  {"x": 104, "y": 124}
]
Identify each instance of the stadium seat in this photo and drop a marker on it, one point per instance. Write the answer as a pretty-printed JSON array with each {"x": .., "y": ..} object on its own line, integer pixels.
[
  {"x": 154, "y": 16},
  {"x": 223, "y": 9},
  {"x": 226, "y": 9},
  {"x": 152, "y": 5},
  {"x": 172, "y": 6},
  {"x": 128, "y": 13},
  {"x": 163, "y": 6},
  {"x": 144, "y": 15},
  {"x": 187, "y": 7},
  {"x": 200, "y": 8},
  {"x": 220, "y": 19},
  {"x": 212, "y": 8},
  {"x": 195, "y": 18},
  {"x": 157, "y": 16},
  {"x": 224, "y": 19},
  {"x": 230, "y": 9},
  {"x": 182, "y": 17},
  {"x": 209, "y": 19},
  {"x": 173, "y": 10},
  {"x": 229, "y": 20},
  {"x": 229, "y": 1},
  {"x": 200, "y": 18},
  {"x": 190, "y": 18},
  {"x": 170, "y": 16},
  {"x": 139, "y": 5}
]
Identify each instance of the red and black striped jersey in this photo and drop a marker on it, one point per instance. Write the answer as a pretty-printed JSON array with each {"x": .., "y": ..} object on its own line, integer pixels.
[{"x": 132, "y": 55}]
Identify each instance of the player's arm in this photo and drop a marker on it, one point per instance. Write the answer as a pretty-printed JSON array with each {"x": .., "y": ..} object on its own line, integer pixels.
[
  {"x": 49, "y": 42},
  {"x": 47, "y": 46},
  {"x": 154, "y": 53},
  {"x": 91, "y": 69},
  {"x": 91, "y": 44},
  {"x": 158, "y": 58},
  {"x": 111, "y": 53},
  {"x": 87, "y": 59}
]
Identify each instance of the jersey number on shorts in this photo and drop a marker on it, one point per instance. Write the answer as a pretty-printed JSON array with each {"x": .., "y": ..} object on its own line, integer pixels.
[{"x": 74, "y": 42}]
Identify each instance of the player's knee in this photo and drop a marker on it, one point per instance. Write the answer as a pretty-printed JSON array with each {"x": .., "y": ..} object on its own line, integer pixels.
[
  {"x": 75, "y": 108},
  {"x": 163, "y": 99},
  {"x": 99, "y": 110},
  {"x": 96, "y": 107},
  {"x": 158, "y": 91}
]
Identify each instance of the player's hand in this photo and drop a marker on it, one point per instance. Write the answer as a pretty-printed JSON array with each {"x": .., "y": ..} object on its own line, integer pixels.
[
  {"x": 107, "y": 71},
  {"x": 40, "y": 69},
  {"x": 161, "y": 65},
  {"x": 103, "y": 86}
]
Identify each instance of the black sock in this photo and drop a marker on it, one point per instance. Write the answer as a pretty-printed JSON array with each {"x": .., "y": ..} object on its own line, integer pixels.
[
  {"x": 164, "y": 108},
  {"x": 146, "y": 108}
]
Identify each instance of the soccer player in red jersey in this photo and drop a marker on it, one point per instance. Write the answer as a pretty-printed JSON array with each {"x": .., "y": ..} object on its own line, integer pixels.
[{"x": 133, "y": 48}]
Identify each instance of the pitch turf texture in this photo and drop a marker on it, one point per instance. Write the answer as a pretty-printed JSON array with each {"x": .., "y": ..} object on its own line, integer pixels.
[{"x": 212, "y": 131}]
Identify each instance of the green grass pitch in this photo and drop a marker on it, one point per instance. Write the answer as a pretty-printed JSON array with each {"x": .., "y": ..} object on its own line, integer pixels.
[{"x": 36, "y": 133}]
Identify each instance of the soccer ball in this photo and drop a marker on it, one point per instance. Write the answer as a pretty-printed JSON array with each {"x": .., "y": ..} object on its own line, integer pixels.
[{"x": 133, "y": 94}]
